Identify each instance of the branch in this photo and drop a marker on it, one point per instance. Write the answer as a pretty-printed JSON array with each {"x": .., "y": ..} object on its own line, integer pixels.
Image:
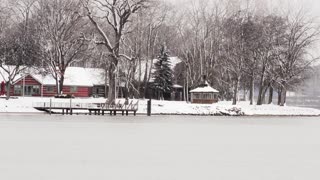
[
  {"x": 101, "y": 32},
  {"x": 126, "y": 57}
]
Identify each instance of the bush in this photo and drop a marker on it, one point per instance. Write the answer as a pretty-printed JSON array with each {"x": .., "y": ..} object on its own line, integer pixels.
[{"x": 66, "y": 96}]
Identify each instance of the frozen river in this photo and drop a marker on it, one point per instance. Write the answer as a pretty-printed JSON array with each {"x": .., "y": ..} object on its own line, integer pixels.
[{"x": 42, "y": 147}]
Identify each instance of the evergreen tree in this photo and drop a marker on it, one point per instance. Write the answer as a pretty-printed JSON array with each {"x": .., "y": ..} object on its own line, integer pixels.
[{"x": 163, "y": 74}]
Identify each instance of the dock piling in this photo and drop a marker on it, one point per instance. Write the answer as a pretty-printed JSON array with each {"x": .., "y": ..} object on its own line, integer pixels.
[{"x": 149, "y": 108}]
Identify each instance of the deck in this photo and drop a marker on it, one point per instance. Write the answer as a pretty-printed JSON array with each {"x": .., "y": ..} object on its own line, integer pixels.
[{"x": 88, "y": 108}]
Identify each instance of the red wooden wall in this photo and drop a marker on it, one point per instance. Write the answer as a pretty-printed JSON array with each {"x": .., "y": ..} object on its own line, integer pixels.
[
  {"x": 81, "y": 91},
  {"x": 29, "y": 80}
]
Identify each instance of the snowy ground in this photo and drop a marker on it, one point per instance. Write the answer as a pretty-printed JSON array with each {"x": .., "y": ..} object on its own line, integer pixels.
[
  {"x": 40, "y": 147},
  {"x": 169, "y": 107}
]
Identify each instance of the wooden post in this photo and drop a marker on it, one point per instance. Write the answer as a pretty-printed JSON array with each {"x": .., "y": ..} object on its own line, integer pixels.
[{"x": 148, "y": 108}]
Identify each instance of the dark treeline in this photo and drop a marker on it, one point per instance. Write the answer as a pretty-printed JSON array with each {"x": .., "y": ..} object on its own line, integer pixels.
[{"x": 238, "y": 47}]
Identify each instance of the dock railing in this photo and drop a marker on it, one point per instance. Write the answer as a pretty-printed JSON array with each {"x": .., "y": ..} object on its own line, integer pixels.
[
  {"x": 120, "y": 105},
  {"x": 65, "y": 105}
]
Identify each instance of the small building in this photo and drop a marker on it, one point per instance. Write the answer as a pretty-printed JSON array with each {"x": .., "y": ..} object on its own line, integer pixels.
[
  {"x": 76, "y": 83},
  {"x": 100, "y": 82},
  {"x": 177, "y": 93},
  {"x": 204, "y": 94}
]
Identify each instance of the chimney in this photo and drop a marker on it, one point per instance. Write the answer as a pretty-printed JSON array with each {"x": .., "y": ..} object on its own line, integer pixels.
[{"x": 204, "y": 79}]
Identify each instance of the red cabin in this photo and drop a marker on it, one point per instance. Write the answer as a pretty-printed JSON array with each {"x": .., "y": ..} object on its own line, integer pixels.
[{"x": 76, "y": 83}]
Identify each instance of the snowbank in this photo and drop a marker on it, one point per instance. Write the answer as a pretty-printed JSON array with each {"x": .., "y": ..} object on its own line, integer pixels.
[
  {"x": 25, "y": 105},
  {"x": 225, "y": 108}
]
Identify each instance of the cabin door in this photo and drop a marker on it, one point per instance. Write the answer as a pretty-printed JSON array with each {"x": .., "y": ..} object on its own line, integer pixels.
[{"x": 28, "y": 90}]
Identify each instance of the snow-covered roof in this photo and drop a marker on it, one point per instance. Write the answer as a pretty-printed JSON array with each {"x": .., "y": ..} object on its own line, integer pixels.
[
  {"x": 177, "y": 86},
  {"x": 204, "y": 89},
  {"x": 74, "y": 76},
  {"x": 96, "y": 75}
]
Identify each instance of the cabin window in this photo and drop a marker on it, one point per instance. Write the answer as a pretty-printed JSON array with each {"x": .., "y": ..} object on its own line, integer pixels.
[
  {"x": 207, "y": 96},
  {"x": 35, "y": 89},
  {"x": 197, "y": 96},
  {"x": 17, "y": 89},
  {"x": 50, "y": 89},
  {"x": 73, "y": 89}
]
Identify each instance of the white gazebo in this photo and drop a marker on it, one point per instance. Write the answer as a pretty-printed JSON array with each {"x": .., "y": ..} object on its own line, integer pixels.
[{"x": 204, "y": 94}]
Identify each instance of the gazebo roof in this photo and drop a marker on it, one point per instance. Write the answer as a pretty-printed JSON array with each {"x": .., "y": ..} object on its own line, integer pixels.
[{"x": 204, "y": 89}]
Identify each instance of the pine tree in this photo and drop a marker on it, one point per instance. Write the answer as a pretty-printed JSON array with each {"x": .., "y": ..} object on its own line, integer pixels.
[{"x": 163, "y": 74}]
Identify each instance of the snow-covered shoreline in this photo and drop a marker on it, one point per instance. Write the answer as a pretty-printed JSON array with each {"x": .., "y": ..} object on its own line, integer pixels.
[{"x": 25, "y": 105}]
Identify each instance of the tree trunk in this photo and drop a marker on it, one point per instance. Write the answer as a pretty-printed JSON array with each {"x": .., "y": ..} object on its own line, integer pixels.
[
  {"x": 283, "y": 95},
  {"x": 259, "y": 102},
  {"x": 140, "y": 88},
  {"x": 127, "y": 91},
  {"x": 106, "y": 82},
  {"x": 8, "y": 86},
  {"x": 57, "y": 86},
  {"x": 270, "y": 95},
  {"x": 112, "y": 81},
  {"x": 279, "y": 95},
  {"x": 244, "y": 92},
  {"x": 145, "y": 80},
  {"x": 235, "y": 92},
  {"x": 263, "y": 95},
  {"x": 252, "y": 90},
  {"x": 61, "y": 82}
]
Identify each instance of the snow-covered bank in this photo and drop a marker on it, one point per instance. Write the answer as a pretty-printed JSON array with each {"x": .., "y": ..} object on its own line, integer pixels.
[
  {"x": 225, "y": 108},
  {"x": 25, "y": 105}
]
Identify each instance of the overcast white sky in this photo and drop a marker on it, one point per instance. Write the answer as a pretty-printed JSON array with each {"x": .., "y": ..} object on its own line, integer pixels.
[
  {"x": 310, "y": 6},
  {"x": 313, "y": 6}
]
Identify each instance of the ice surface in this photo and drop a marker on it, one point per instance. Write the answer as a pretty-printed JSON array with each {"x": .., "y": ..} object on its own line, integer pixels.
[{"x": 158, "y": 147}]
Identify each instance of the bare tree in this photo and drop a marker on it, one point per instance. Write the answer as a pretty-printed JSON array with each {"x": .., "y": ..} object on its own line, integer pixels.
[
  {"x": 61, "y": 24},
  {"x": 115, "y": 15},
  {"x": 19, "y": 42},
  {"x": 235, "y": 50},
  {"x": 296, "y": 58},
  {"x": 141, "y": 43},
  {"x": 272, "y": 37}
]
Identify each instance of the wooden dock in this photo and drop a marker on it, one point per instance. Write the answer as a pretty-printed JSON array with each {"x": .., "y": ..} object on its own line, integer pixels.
[{"x": 88, "y": 108}]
